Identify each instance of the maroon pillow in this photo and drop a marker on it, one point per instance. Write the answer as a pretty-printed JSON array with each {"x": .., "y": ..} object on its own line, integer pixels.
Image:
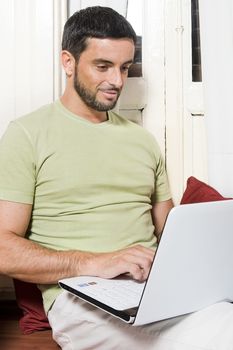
[
  {"x": 198, "y": 191},
  {"x": 29, "y": 300}
]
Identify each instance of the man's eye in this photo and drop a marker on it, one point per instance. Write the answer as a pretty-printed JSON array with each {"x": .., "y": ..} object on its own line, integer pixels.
[
  {"x": 125, "y": 69},
  {"x": 102, "y": 67}
]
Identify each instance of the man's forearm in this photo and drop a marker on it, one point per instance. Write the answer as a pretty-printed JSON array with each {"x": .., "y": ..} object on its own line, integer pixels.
[{"x": 23, "y": 259}]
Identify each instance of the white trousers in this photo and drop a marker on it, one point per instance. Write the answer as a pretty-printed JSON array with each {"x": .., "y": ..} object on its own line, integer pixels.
[{"x": 79, "y": 326}]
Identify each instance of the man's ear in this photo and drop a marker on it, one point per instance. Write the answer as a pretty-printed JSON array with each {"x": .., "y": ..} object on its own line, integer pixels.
[{"x": 68, "y": 62}]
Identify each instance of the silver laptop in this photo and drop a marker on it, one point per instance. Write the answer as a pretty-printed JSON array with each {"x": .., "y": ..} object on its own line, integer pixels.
[{"x": 192, "y": 269}]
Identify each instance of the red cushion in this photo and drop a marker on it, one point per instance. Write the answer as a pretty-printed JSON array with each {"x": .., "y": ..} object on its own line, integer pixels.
[
  {"x": 198, "y": 191},
  {"x": 29, "y": 300}
]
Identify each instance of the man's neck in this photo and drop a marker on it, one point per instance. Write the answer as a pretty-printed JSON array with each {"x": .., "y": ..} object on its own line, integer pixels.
[{"x": 76, "y": 106}]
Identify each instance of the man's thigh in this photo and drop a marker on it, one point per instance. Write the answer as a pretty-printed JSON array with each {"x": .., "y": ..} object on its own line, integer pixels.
[{"x": 78, "y": 325}]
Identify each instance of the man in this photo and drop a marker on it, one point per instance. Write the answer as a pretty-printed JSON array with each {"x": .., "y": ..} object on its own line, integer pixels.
[{"x": 87, "y": 188}]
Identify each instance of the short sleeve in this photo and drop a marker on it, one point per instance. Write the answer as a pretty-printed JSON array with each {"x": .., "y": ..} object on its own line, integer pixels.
[
  {"x": 162, "y": 189},
  {"x": 17, "y": 165}
]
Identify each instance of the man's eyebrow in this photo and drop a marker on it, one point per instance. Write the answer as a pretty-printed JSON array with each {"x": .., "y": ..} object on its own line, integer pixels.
[
  {"x": 128, "y": 62},
  {"x": 102, "y": 60}
]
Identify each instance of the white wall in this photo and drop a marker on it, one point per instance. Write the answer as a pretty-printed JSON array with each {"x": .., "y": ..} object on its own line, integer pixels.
[
  {"x": 30, "y": 76},
  {"x": 26, "y": 56},
  {"x": 217, "y": 60}
]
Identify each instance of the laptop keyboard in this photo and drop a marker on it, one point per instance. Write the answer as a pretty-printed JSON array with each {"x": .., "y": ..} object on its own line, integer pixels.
[{"x": 119, "y": 294}]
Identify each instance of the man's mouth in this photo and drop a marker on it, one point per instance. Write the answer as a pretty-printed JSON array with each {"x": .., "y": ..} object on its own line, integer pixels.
[{"x": 110, "y": 93}]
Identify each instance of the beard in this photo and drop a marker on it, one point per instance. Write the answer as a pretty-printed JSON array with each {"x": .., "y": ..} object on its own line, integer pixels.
[{"x": 90, "y": 98}]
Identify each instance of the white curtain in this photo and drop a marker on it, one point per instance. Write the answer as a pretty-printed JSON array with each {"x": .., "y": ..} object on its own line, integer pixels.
[{"x": 216, "y": 25}]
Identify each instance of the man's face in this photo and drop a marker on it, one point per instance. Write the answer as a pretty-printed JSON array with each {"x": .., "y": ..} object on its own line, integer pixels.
[{"x": 102, "y": 70}]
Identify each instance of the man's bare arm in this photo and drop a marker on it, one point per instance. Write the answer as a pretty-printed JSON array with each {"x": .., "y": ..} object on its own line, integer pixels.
[
  {"x": 23, "y": 259},
  {"x": 159, "y": 212}
]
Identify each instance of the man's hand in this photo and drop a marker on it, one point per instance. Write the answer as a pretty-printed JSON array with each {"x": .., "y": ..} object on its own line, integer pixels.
[{"x": 134, "y": 261}]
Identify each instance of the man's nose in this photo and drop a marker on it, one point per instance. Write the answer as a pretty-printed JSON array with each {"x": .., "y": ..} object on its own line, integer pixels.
[{"x": 116, "y": 78}]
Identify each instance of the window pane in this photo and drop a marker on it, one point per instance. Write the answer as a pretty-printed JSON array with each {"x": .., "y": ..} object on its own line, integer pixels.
[
  {"x": 134, "y": 16},
  {"x": 136, "y": 68},
  {"x": 196, "y": 48}
]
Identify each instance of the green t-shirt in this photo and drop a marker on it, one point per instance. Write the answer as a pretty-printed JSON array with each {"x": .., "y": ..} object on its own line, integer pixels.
[{"x": 91, "y": 185}]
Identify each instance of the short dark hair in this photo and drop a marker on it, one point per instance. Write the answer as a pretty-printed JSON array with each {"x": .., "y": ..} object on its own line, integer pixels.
[{"x": 94, "y": 22}]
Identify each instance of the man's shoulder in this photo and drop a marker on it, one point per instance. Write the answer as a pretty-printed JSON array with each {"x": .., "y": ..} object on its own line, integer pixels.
[
  {"x": 120, "y": 119},
  {"x": 38, "y": 116}
]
